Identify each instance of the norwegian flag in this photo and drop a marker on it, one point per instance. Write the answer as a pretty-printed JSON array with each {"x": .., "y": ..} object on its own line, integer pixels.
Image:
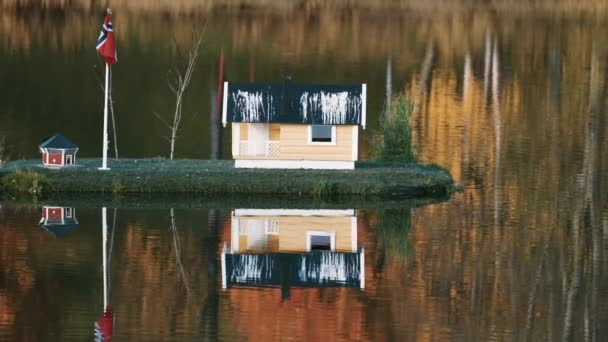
[
  {"x": 105, "y": 43},
  {"x": 104, "y": 326}
]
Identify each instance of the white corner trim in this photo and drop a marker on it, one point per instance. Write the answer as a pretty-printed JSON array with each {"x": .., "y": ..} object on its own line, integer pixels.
[
  {"x": 355, "y": 143},
  {"x": 363, "y": 104},
  {"x": 294, "y": 164},
  {"x": 362, "y": 267},
  {"x": 294, "y": 212},
  {"x": 332, "y": 239},
  {"x": 223, "y": 261},
  {"x": 333, "y": 137},
  {"x": 234, "y": 234},
  {"x": 225, "y": 104},
  {"x": 236, "y": 138}
]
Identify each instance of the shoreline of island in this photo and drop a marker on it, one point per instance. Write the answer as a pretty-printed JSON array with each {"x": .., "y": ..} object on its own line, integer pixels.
[{"x": 370, "y": 179}]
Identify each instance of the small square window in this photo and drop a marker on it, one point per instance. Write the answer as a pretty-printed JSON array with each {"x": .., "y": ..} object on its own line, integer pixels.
[
  {"x": 320, "y": 243},
  {"x": 322, "y": 133}
]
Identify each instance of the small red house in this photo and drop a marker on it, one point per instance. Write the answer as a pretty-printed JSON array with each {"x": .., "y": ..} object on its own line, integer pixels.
[{"x": 58, "y": 151}]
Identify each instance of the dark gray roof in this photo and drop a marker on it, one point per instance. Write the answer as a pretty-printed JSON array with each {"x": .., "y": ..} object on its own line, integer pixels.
[
  {"x": 295, "y": 103},
  {"x": 59, "y": 230},
  {"x": 304, "y": 269},
  {"x": 58, "y": 141}
]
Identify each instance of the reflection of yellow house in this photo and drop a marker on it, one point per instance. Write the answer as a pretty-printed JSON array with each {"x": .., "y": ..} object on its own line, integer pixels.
[
  {"x": 306, "y": 248},
  {"x": 279, "y": 230}
]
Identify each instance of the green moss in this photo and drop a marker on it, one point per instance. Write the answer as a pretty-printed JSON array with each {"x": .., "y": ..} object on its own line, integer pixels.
[{"x": 369, "y": 179}]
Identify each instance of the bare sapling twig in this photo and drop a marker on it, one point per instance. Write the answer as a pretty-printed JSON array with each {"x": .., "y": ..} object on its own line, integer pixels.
[
  {"x": 178, "y": 260},
  {"x": 178, "y": 80},
  {"x": 111, "y": 105}
]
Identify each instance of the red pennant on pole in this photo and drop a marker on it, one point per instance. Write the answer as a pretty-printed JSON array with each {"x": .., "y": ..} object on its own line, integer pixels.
[{"x": 105, "y": 43}]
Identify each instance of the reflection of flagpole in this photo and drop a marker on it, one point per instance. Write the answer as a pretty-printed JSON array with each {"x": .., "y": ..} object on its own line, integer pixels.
[
  {"x": 104, "y": 325},
  {"x": 104, "y": 223}
]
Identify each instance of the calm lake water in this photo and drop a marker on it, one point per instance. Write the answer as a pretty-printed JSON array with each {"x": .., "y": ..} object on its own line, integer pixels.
[{"x": 513, "y": 104}]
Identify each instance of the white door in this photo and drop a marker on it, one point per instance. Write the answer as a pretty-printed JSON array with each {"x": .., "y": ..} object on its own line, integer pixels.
[
  {"x": 68, "y": 159},
  {"x": 258, "y": 136}
]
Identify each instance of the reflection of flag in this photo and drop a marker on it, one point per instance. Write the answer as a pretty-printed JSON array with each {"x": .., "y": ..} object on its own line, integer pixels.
[
  {"x": 104, "y": 327},
  {"x": 105, "y": 43}
]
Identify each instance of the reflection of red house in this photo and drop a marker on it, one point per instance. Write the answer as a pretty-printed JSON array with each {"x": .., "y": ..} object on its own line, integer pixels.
[
  {"x": 58, "y": 151},
  {"x": 58, "y": 220}
]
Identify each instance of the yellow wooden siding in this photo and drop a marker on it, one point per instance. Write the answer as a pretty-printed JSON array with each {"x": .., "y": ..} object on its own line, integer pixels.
[
  {"x": 273, "y": 243},
  {"x": 292, "y": 232},
  {"x": 244, "y": 131},
  {"x": 295, "y": 146},
  {"x": 242, "y": 242},
  {"x": 274, "y": 132}
]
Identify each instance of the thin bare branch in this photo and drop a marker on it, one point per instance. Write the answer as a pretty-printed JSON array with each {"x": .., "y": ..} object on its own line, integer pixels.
[
  {"x": 178, "y": 259},
  {"x": 162, "y": 120},
  {"x": 178, "y": 80}
]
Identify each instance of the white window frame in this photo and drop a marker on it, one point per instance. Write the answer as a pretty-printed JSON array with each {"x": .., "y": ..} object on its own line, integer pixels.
[
  {"x": 68, "y": 213},
  {"x": 267, "y": 223},
  {"x": 332, "y": 239},
  {"x": 333, "y": 136},
  {"x": 69, "y": 157}
]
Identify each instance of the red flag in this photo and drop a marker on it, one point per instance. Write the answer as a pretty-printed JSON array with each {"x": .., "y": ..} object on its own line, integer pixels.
[
  {"x": 105, "y": 43},
  {"x": 104, "y": 326}
]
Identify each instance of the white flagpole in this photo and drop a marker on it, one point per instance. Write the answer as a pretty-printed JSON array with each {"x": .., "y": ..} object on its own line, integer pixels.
[
  {"x": 104, "y": 163},
  {"x": 104, "y": 223}
]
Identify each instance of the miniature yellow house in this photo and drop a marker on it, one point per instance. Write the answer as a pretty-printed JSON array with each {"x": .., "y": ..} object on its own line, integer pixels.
[
  {"x": 288, "y": 247},
  {"x": 294, "y": 126}
]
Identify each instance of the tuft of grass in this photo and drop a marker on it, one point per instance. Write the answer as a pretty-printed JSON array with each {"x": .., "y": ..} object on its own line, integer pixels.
[
  {"x": 117, "y": 187},
  {"x": 397, "y": 140},
  {"x": 25, "y": 182},
  {"x": 4, "y": 155},
  {"x": 393, "y": 231},
  {"x": 324, "y": 189}
]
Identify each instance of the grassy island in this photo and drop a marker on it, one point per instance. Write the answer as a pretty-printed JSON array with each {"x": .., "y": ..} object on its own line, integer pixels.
[{"x": 157, "y": 175}]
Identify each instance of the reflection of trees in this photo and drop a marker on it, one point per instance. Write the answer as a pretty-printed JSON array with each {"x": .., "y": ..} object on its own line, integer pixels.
[
  {"x": 586, "y": 208},
  {"x": 424, "y": 85},
  {"x": 521, "y": 247},
  {"x": 37, "y": 278},
  {"x": 419, "y": 45},
  {"x": 150, "y": 264},
  {"x": 393, "y": 231},
  {"x": 210, "y": 310}
]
